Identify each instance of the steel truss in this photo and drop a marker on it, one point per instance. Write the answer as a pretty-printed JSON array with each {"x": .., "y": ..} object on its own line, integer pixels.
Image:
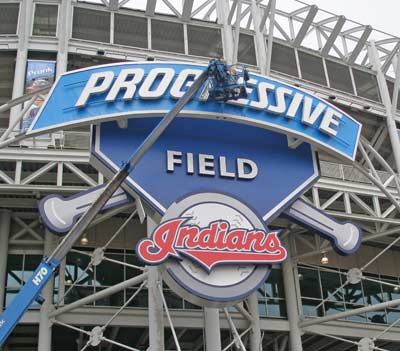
[{"x": 368, "y": 191}]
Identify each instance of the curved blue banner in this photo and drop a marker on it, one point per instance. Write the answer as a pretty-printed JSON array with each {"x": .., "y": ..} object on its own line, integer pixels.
[{"x": 128, "y": 90}]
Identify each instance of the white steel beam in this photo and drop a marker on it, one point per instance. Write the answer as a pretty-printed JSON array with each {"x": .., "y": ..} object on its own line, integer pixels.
[
  {"x": 187, "y": 10},
  {"x": 384, "y": 92},
  {"x": 333, "y": 36},
  {"x": 360, "y": 45},
  {"x": 301, "y": 34},
  {"x": 150, "y": 7},
  {"x": 156, "y": 315}
]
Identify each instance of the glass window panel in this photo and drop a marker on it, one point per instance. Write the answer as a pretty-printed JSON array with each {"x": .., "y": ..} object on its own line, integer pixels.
[
  {"x": 372, "y": 292},
  {"x": 116, "y": 299},
  {"x": 312, "y": 68},
  {"x": 310, "y": 308},
  {"x": 246, "y": 50},
  {"x": 333, "y": 307},
  {"x": 140, "y": 300},
  {"x": 391, "y": 87},
  {"x": 204, "y": 41},
  {"x": 274, "y": 284},
  {"x": 339, "y": 76},
  {"x": 262, "y": 307},
  {"x": 173, "y": 300},
  {"x": 357, "y": 318},
  {"x": 167, "y": 36},
  {"x": 392, "y": 315},
  {"x": 110, "y": 273},
  {"x": 91, "y": 25},
  {"x": 189, "y": 306},
  {"x": 390, "y": 292},
  {"x": 14, "y": 271},
  {"x": 130, "y": 31},
  {"x": 276, "y": 308},
  {"x": 377, "y": 317},
  {"x": 309, "y": 284},
  {"x": 8, "y": 18},
  {"x": 353, "y": 293},
  {"x": 7, "y": 65},
  {"x": 75, "y": 269},
  {"x": 330, "y": 282},
  {"x": 77, "y": 293},
  {"x": 133, "y": 260},
  {"x": 283, "y": 59},
  {"x": 366, "y": 84},
  {"x": 30, "y": 264},
  {"x": 45, "y": 22}
]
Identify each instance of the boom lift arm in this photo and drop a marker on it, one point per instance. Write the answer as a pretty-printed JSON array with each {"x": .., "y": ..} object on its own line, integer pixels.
[{"x": 225, "y": 83}]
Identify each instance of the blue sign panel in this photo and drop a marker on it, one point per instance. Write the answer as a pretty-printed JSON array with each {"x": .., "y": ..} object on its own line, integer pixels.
[
  {"x": 151, "y": 89},
  {"x": 195, "y": 155}
]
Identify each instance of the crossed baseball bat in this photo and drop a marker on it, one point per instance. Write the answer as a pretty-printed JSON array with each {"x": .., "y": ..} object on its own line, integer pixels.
[{"x": 61, "y": 213}]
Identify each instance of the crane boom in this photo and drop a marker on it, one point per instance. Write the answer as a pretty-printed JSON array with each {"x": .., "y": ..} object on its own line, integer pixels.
[{"x": 46, "y": 270}]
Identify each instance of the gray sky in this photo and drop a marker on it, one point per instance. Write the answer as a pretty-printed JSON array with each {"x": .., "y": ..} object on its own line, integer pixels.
[{"x": 381, "y": 14}]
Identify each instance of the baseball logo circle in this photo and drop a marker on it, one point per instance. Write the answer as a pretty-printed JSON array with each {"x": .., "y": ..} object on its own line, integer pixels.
[{"x": 209, "y": 277}]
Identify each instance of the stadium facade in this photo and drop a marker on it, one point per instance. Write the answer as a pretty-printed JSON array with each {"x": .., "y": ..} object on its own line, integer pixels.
[{"x": 315, "y": 300}]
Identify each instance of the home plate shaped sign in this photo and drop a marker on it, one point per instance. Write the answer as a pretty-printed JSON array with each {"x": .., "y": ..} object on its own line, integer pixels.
[
  {"x": 218, "y": 175},
  {"x": 194, "y": 155}
]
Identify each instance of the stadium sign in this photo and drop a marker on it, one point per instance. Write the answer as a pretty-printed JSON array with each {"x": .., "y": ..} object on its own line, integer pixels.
[
  {"x": 218, "y": 175},
  {"x": 118, "y": 91}
]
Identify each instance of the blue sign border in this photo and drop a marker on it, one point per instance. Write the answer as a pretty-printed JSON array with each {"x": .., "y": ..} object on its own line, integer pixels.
[{"x": 345, "y": 146}]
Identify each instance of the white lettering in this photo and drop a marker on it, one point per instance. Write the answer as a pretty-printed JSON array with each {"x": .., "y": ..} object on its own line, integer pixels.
[
  {"x": 93, "y": 87},
  {"x": 331, "y": 117},
  {"x": 135, "y": 75},
  {"x": 241, "y": 165},
  {"x": 146, "y": 92},
  {"x": 280, "y": 101},
  {"x": 172, "y": 159},
  {"x": 222, "y": 168},
  {"x": 294, "y": 105},
  {"x": 37, "y": 279},
  {"x": 309, "y": 117},
  {"x": 262, "y": 90},
  {"x": 190, "y": 163},
  {"x": 183, "y": 81},
  {"x": 205, "y": 163}
]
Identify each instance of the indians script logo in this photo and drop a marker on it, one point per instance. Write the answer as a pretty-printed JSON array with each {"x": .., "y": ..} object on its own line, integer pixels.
[
  {"x": 209, "y": 246},
  {"x": 212, "y": 246}
]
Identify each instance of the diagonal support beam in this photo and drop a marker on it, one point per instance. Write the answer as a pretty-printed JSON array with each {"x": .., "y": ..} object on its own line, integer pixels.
[
  {"x": 151, "y": 7},
  {"x": 187, "y": 10},
  {"x": 333, "y": 36},
  {"x": 305, "y": 26},
  {"x": 360, "y": 45}
]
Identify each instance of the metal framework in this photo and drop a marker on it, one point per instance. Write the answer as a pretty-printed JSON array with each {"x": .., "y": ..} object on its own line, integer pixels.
[{"x": 367, "y": 191}]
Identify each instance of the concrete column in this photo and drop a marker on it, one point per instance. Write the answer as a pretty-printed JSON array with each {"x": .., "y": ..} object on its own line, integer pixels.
[
  {"x": 64, "y": 30},
  {"x": 45, "y": 325},
  {"x": 156, "y": 313},
  {"x": 291, "y": 302},
  {"x": 212, "y": 329},
  {"x": 261, "y": 50},
  {"x": 24, "y": 28},
  {"x": 255, "y": 333},
  {"x": 222, "y": 8},
  {"x": 387, "y": 102},
  {"x": 5, "y": 220}
]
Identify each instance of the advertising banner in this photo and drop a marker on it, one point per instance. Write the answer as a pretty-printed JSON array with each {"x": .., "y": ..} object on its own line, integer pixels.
[{"x": 38, "y": 74}]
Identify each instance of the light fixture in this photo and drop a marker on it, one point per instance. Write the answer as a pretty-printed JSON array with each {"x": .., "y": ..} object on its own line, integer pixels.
[
  {"x": 84, "y": 240},
  {"x": 324, "y": 259},
  {"x": 300, "y": 276},
  {"x": 396, "y": 289}
]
